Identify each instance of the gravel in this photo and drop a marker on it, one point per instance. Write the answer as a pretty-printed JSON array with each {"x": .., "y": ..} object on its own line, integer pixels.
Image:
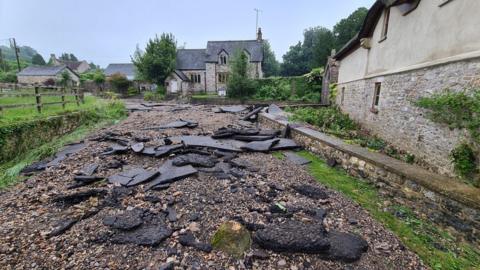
[{"x": 97, "y": 227}]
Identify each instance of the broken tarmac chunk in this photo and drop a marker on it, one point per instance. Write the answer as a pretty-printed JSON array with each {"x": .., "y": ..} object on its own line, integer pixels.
[
  {"x": 115, "y": 149},
  {"x": 84, "y": 180},
  {"x": 128, "y": 220},
  {"x": 195, "y": 160},
  {"x": 253, "y": 113},
  {"x": 233, "y": 109},
  {"x": 261, "y": 146},
  {"x": 146, "y": 235},
  {"x": 205, "y": 141},
  {"x": 274, "y": 109},
  {"x": 74, "y": 198},
  {"x": 89, "y": 169},
  {"x": 132, "y": 177},
  {"x": 189, "y": 240},
  {"x": 166, "y": 149},
  {"x": 170, "y": 173},
  {"x": 296, "y": 159},
  {"x": 285, "y": 144},
  {"x": 253, "y": 138},
  {"x": 346, "y": 247},
  {"x": 293, "y": 236},
  {"x": 176, "y": 124},
  {"x": 311, "y": 192}
]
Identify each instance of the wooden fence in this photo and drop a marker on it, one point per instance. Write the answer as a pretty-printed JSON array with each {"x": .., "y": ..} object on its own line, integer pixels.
[{"x": 17, "y": 90}]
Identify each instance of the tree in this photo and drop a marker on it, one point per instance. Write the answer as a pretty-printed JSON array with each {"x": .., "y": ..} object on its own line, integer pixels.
[
  {"x": 323, "y": 44},
  {"x": 239, "y": 84},
  {"x": 159, "y": 59},
  {"x": 99, "y": 79},
  {"x": 120, "y": 83},
  {"x": 73, "y": 57},
  {"x": 68, "y": 57},
  {"x": 271, "y": 67},
  {"x": 294, "y": 62},
  {"x": 37, "y": 59},
  {"x": 347, "y": 28},
  {"x": 64, "y": 78}
]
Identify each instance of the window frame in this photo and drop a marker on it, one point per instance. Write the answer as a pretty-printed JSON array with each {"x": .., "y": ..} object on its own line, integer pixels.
[
  {"x": 376, "y": 97},
  {"x": 222, "y": 77},
  {"x": 195, "y": 78},
  {"x": 385, "y": 25},
  {"x": 223, "y": 59}
]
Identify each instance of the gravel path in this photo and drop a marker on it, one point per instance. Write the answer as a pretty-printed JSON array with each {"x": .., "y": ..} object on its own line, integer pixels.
[{"x": 200, "y": 204}]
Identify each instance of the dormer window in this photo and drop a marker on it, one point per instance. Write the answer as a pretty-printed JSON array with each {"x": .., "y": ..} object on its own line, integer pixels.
[{"x": 223, "y": 59}]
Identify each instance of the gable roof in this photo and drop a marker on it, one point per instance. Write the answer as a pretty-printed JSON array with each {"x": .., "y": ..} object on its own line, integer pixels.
[
  {"x": 127, "y": 69},
  {"x": 191, "y": 59},
  {"x": 43, "y": 70},
  {"x": 370, "y": 22},
  {"x": 73, "y": 65},
  {"x": 181, "y": 75},
  {"x": 253, "y": 47}
]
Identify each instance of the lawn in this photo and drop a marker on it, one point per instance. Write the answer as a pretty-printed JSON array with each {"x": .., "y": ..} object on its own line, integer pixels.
[
  {"x": 12, "y": 115},
  {"x": 437, "y": 248}
]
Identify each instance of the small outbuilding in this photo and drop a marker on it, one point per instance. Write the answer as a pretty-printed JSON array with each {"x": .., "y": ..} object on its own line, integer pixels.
[{"x": 45, "y": 74}]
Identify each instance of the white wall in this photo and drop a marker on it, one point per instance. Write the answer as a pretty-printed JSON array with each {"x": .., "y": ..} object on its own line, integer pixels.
[{"x": 354, "y": 66}]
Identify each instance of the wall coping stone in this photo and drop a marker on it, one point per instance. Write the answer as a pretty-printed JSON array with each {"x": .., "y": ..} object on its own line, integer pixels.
[{"x": 444, "y": 185}]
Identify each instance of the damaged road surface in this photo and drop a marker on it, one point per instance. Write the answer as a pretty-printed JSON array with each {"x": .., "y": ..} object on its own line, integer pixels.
[{"x": 157, "y": 191}]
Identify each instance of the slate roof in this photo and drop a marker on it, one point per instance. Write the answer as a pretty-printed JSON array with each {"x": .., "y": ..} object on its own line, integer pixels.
[
  {"x": 181, "y": 75},
  {"x": 42, "y": 70},
  {"x": 191, "y": 59},
  {"x": 127, "y": 69},
  {"x": 73, "y": 65},
  {"x": 253, "y": 47}
]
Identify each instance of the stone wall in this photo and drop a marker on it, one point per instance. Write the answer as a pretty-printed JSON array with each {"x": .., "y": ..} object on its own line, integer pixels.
[
  {"x": 399, "y": 121},
  {"x": 446, "y": 202}
]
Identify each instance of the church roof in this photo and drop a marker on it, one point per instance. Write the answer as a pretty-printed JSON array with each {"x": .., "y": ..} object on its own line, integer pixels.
[
  {"x": 191, "y": 59},
  {"x": 253, "y": 47}
]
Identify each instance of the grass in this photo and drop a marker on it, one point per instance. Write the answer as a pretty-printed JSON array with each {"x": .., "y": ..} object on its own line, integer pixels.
[
  {"x": 206, "y": 96},
  {"x": 13, "y": 115},
  {"x": 436, "y": 247},
  {"x": 108, "y": 113}
]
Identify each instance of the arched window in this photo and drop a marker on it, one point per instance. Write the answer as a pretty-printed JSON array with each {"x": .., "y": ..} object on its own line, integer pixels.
[{"x": 223, "y": 59}]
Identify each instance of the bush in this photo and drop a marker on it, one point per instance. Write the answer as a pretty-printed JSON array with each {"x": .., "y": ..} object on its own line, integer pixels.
[
  {"x": 279, "y": 90},
  {"x": 330, "y": 119},
  {"x": 120, "y": 83},
  {"x": 8, "y": 77},
  {"x": 153, "y": 96},
  {"x": 132, "y": 91},
  {"x": 464, "y": 160},
  {"x": 239, "y": 84}
]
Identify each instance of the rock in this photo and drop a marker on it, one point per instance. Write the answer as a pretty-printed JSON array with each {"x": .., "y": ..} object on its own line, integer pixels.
[
  {"x": 188, "y": 239},
  {"x": 138, "y": 147},
  {"x": 167, "y": 266},
  {"x": 128, "y": 220},
  {"x": 346, "y": 247},
  {"x": 171, "y": 214},
  {"x": 331, "y": 162},
  {"x": 194, "y": 227},
  {"x": 259, "y": 254},
  {"x": 296, "y": 159},
  {"x": 146, "y": 235},
  {"x": 170, "y": 173},
  {"x": 311, "y": 192},
  {"x": 282, "y": 263},
  {"x": 195, "y": 160},
  {"x": 293, "y": 236},
  {"x": 317, "y": 213},
  {"x": 260, "y": 146},
  {"x": 232, "y": 238}
]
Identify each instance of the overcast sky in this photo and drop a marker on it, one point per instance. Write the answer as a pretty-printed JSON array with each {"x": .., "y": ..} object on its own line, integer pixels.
[{"x": 107, "y": 31}]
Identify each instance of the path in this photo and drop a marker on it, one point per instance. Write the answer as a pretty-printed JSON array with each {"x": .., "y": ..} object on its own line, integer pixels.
[{"x": 32, "y": 210}]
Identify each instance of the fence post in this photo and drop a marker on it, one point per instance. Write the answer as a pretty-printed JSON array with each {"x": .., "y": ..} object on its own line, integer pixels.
[
  {"x": 75, "y": 91},
  {"x": 38, "y": 100},
  {"x": 82, "y": 97},
  {"x": 63, "y": 98}
]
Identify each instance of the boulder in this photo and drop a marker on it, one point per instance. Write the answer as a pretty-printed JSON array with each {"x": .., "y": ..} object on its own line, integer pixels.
[
  {"x": 346, "y": 247},
  {"x": 232, "y": 238}
]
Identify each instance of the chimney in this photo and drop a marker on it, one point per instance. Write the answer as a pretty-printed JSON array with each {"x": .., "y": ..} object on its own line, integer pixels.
[{"x": 259, "y": 34}]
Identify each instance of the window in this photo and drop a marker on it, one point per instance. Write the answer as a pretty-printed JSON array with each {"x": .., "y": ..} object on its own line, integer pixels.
[
  {"x": 386, "y": 20},
  {"x": 222, "y": 77},
  {"x": 376, "y": 97},
  {"x": 223, "y": 59},
  {"x": 343, "y": 96},
  {"x": 195, "y": 78}
]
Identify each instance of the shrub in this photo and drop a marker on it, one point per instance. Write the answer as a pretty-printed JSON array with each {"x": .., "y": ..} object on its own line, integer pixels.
[
  {"x": 239, "y": 84},
  {"x": 120, "y": 83},
  {"x": 329, "y": 119},
  {"x": 153, "y": 96},
  {"x": 132, "y": 91},
  {"x": 8, "y": 77},
  {"x": 111, "y": 95},
  {"x": 464, "y": 160}
]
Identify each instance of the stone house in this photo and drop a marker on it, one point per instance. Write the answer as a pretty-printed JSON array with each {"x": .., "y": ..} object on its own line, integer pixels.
[
  {"x": 407, "y": 49},
  {"x": 206, "y": 70},
  {"x": 76, "y": 66},
  {"x": 126, "y": 69},
  {"x": 42, "y": 74}
]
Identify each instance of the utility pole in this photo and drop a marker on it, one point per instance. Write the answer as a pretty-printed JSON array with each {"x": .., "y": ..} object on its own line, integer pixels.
[
  {"x": 256, "y": 24},
  {"x": 16, "y": 53}
]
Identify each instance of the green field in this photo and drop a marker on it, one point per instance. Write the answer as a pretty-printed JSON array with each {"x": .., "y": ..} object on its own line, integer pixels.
[{"x": 12, "y": 115}]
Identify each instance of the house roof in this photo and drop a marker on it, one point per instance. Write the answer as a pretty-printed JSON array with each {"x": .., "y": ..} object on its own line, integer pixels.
[
  {"x": 370, "y": 22},
  {"x": 253, "y": 47},
  {"x": 127, "y": 69},
  {"x": 73, "y": 65},
  {"x": 181, "y": 75},
  {"x": 191, "y": 59},
  {"x": 43, "y": 70}
]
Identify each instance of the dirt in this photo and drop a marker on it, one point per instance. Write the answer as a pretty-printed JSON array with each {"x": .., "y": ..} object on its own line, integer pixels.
[{"x": 183, "y": 215}]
